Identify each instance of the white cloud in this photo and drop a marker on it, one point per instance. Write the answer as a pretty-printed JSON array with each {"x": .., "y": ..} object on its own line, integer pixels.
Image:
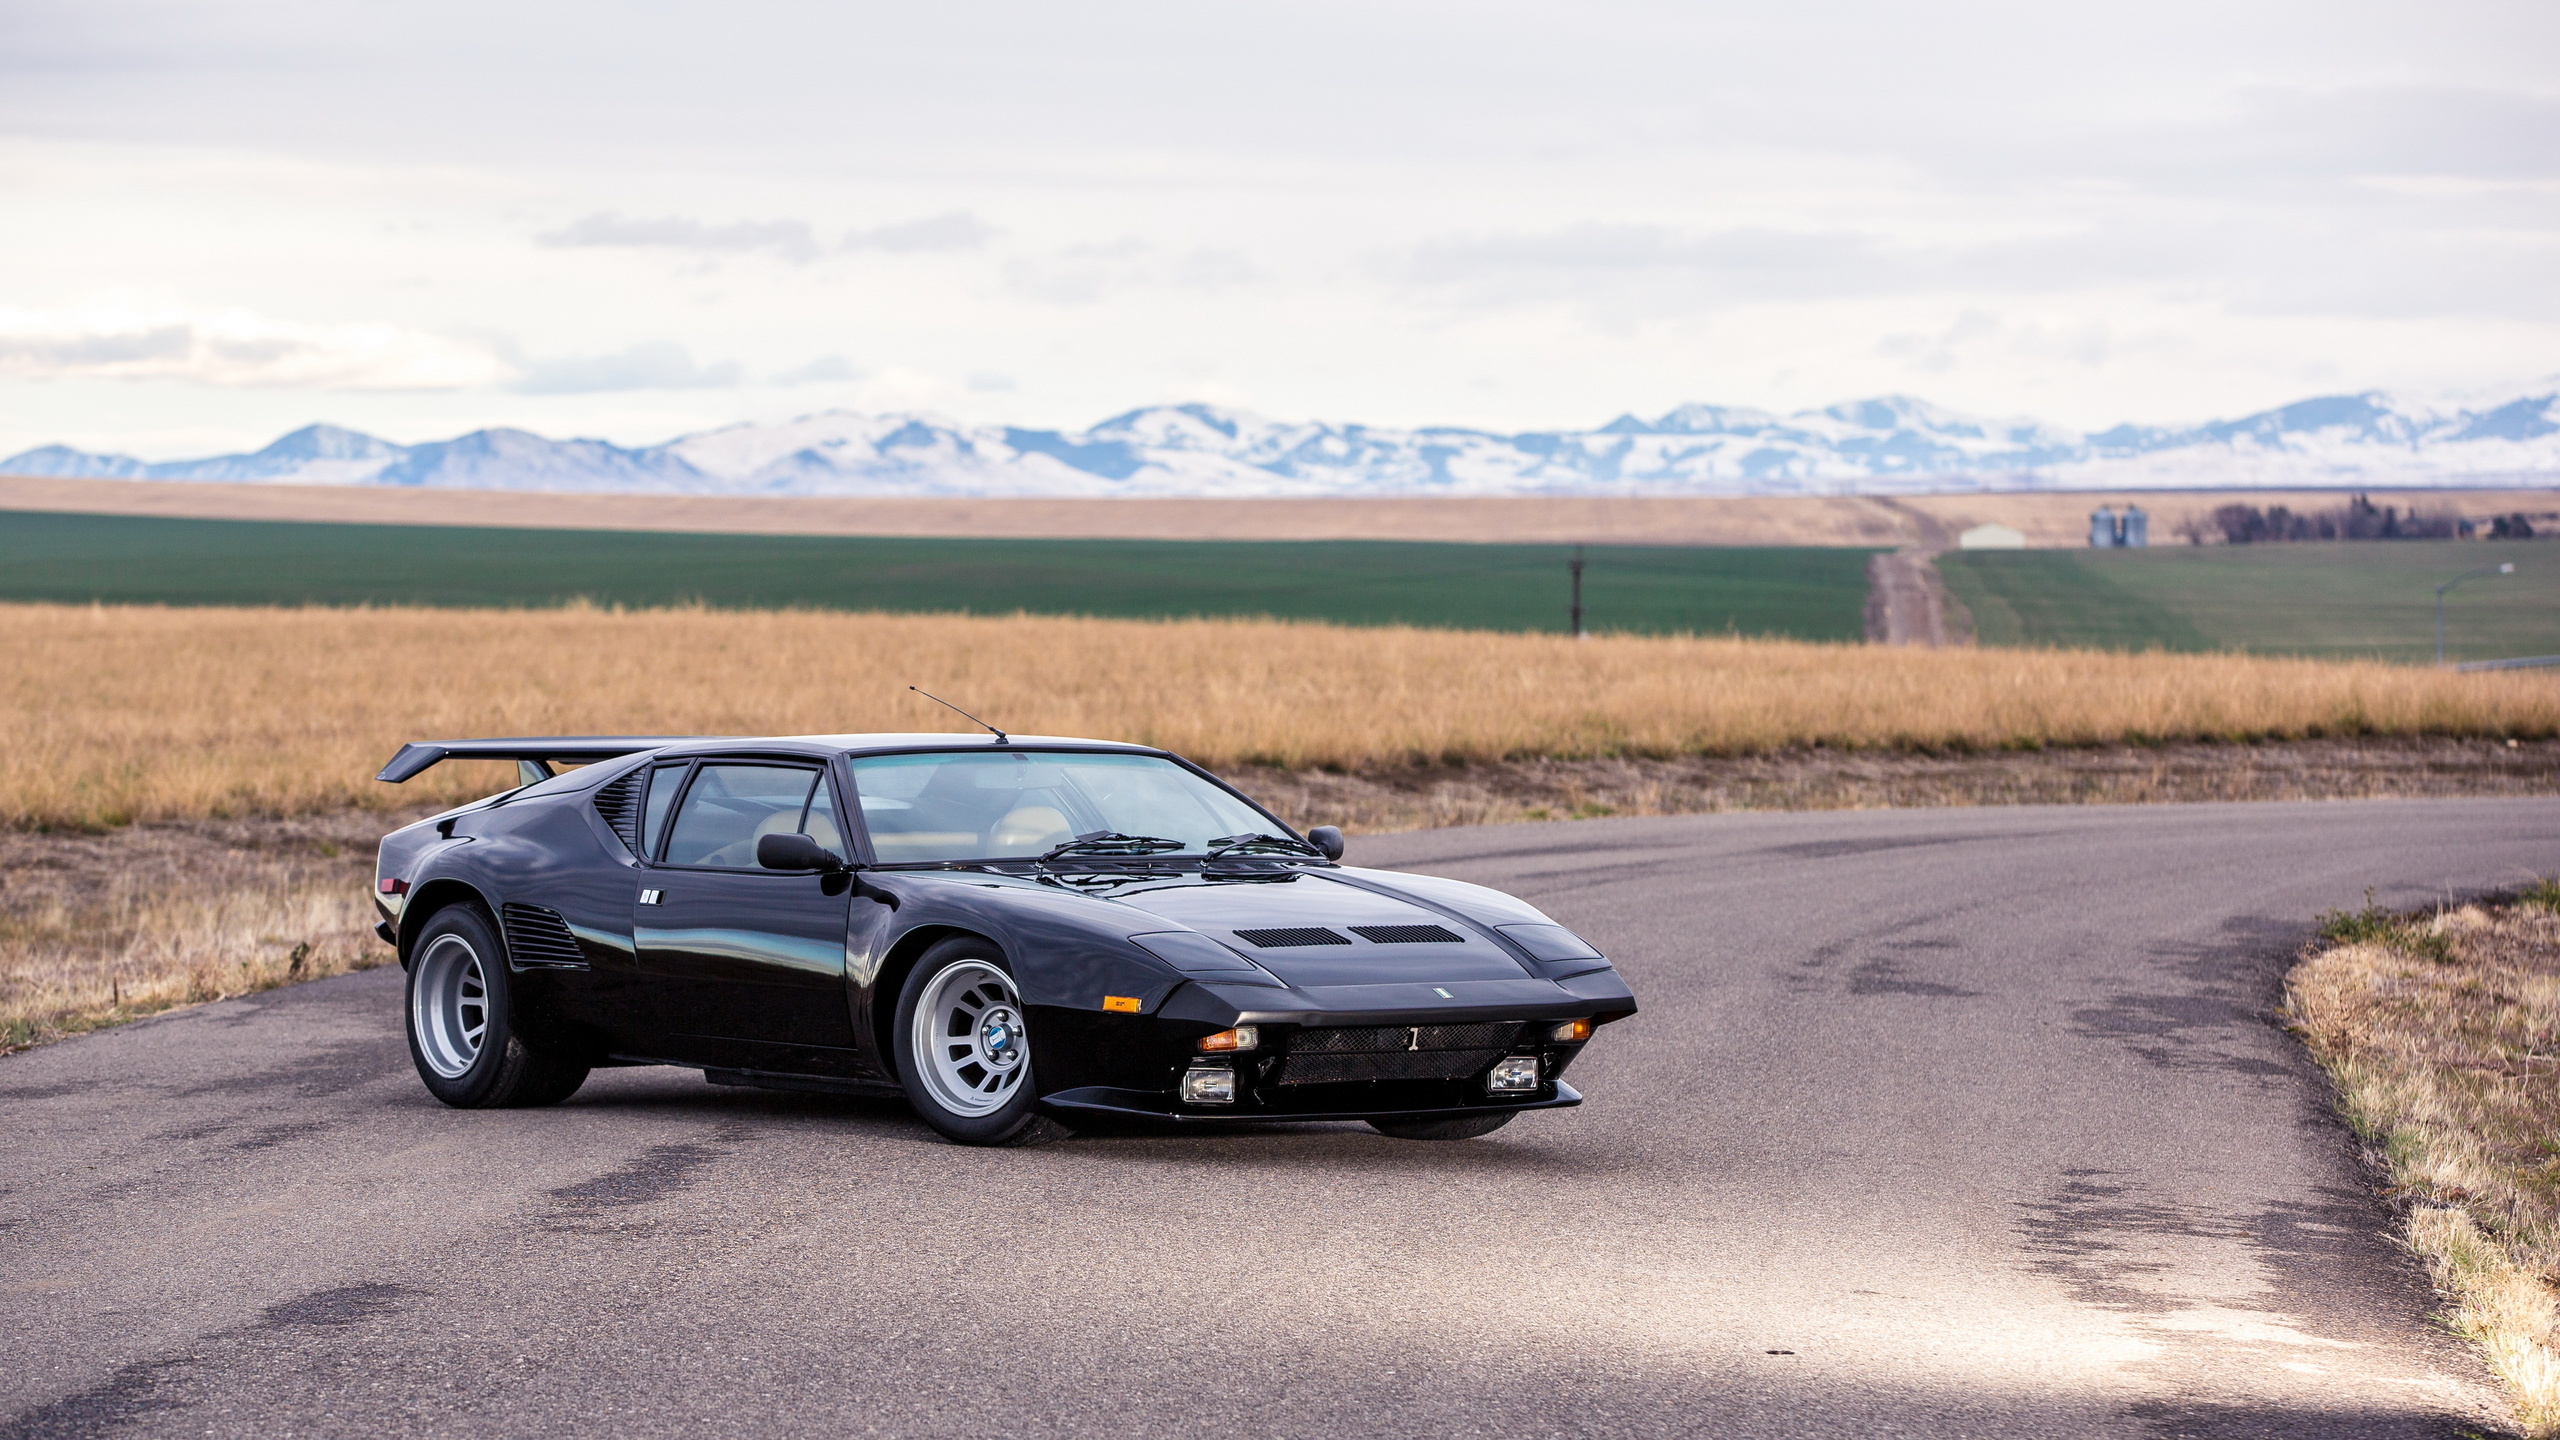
[
  {"x": 654, "y": 365},
  {"x": 953, "y": 230},
  {"x": 234, "y": 347},
  {"x": 823, "y": 370},
  {"x": 792, "y": 240},
  {"x": 789, "y": 239}
]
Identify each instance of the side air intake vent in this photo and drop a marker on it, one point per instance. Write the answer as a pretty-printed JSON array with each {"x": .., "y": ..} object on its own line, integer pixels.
[
  {"x": 538, "y": 939},
  {"x": 619, "y": 804},
  {"x": 1293, "y": 935},
  {"x": 1408, "y": 935}
]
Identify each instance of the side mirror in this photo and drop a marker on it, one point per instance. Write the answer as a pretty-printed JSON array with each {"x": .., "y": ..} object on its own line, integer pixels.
[
  {"x": 1328, "y": 839},
  {"x": 796, "y": 852}
]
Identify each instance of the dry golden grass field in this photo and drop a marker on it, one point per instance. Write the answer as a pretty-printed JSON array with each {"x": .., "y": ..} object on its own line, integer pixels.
[
  {"x": 2443, "y": 1034},
  {"x": 101, "y": 928},
  {"x": 140, "y": 713}
]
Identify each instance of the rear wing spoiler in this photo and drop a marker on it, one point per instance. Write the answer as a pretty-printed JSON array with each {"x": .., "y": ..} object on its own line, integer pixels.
[{"x": 418, "y": 755}]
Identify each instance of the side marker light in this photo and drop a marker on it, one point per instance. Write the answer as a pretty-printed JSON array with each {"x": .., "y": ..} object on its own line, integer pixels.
[
  {"x": 1512, "y": 1075},
  {"x": 389, "y": 886},
  {"x": 1208, "y": 1087},
  {"x": 1571, "y": 1032},
  {"x": 1125, "y": 1004},
  {"x": 1243, "y": 1037}
]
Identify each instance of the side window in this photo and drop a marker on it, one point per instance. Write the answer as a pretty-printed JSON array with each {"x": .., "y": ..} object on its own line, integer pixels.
[
  {"x": 821, "y": 823},
  {"x": 664, "y": 782},
  {"x": 728, "y": 808}
]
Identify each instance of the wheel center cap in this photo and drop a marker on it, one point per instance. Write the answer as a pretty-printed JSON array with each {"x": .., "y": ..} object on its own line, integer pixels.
[{"x": 998, "y": 1036}]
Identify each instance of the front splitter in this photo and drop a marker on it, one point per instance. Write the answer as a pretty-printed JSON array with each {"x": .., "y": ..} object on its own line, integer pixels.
[{"x": 1103, "y": 1100}]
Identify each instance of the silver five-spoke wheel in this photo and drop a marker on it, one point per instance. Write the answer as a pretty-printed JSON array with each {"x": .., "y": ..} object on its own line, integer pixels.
[
  {"x": 449, "y": 1005},
  {"x": 971, "y": 1047}
]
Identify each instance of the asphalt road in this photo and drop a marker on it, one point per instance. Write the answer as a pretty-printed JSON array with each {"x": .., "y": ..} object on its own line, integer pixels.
[{"x": 1935, "y": 1123}]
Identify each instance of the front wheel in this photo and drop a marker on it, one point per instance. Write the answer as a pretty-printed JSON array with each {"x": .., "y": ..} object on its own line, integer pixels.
[
  {"x": 462, "y": 1030},
  {"x": 964, "y": 1048},
  {"x": 1419, "y": 1127}
]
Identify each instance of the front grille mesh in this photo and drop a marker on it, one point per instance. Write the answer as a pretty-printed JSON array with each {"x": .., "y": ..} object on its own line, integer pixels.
[
  {"x": 1294, "y": 935},
  {"x": 538, "y": 939},
  {"x": 619, "y": 804},
  {"x": 1408, "y": 934},
  {"x": 1335, "y": 1055},
  {"x": 1349, "y": 1039}
]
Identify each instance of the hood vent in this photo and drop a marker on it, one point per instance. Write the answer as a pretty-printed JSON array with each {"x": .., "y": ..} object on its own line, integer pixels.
[
  {"x": 538, "y": 939},
  {"x": 1408, "y": 935},
  {"x": 1293, "y": 935},
  {"x": 619, "y": 804}
]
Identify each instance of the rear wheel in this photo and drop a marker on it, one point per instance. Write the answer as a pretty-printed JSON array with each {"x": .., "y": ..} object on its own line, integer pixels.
[
  {"x": 462, "y": 1030},
  {"x": 964, "y": 1048},
  {"x": 1422, "y": 1127}
]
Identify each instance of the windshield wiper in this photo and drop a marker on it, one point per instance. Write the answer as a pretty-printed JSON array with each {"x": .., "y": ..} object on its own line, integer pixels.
[
  {"x": 1103, "y": 844},
  {"x": 1260, "y": 844}
]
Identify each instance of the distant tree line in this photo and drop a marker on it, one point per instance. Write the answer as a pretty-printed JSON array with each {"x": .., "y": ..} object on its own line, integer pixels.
[{"x": 2358, "y": 519}]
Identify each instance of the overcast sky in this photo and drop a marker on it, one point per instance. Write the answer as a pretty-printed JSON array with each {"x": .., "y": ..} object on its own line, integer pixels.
[{"x": 630, "y": 220}]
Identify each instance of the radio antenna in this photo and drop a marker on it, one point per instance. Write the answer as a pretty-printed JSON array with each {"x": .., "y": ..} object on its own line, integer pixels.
[{"x": 1001, "y": 737}]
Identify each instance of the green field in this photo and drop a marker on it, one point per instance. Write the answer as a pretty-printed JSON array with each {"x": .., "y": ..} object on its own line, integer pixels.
[
  {"x": 1808, "y": 593},
  {"x": 2361, "y": 599}
]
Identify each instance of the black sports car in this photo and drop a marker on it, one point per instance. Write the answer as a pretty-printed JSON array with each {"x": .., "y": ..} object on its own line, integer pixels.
[{"x": 1017, "y": 934}]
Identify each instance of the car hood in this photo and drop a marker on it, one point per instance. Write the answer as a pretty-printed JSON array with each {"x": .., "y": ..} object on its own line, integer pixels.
[{"x": 1311, "y": 929}]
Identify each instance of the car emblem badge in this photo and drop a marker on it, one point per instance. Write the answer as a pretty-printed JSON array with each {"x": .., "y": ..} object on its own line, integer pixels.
[
  {"x": 1443, "y": 994},
  {"x": 1413, "y": 1037}
]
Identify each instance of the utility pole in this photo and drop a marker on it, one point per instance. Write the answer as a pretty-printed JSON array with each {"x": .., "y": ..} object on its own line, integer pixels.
[
  {"x": 1576, "y": 567},
  {"x": 2438, "y": 600}
]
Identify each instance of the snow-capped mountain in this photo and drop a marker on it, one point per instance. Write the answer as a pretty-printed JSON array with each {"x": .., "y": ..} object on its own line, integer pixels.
[{"x": 1883, "y": 446}]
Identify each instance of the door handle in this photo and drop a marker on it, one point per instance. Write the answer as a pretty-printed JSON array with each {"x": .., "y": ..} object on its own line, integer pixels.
[{"x": 653, "y": 897}]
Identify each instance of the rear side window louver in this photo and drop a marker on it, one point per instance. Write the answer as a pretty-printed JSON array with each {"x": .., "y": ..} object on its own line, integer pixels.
[
  {"x": 538, "y": 939},
  {"x": 619, "y": 804}
]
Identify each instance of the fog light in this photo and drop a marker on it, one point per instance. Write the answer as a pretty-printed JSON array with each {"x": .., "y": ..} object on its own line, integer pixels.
[
  {"x": 1208, "y": 1087},
  {"x": 1572, "y": 1032},
  {"x": 1243, "y": 1037},
  {"x": 1519, "y": 1072}
]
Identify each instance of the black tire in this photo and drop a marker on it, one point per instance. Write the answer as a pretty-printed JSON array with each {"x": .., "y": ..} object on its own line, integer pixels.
[
  {"x": 967, "y": 978},
  {"x": 1420, "y": 1127},
  {"x": 458, "y": 976}
]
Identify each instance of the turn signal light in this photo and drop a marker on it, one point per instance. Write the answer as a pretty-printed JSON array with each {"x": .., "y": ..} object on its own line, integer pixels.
[
  {"x": 1571, "y": 1032},
  {"x": 1243, "y": 1037}
]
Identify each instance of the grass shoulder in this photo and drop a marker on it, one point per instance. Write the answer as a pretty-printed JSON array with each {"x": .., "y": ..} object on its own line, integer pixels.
[
  {"x": 2441, "y": 1030},
  {"x": 99, "y": 929}
]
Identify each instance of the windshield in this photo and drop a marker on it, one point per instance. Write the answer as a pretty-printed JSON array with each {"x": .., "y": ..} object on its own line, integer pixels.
[{"x": 1017, "y": 804}]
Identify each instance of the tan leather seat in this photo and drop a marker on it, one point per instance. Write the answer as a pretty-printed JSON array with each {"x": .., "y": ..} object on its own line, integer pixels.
[
  {"x": 1028, "y": 829},
  {"x": 741, "y": 854}
]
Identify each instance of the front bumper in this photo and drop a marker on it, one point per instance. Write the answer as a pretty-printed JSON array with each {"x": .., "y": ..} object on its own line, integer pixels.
[
  {"x": 1419, "y": 1063},
  {"x": 1382, "y": 1103}
]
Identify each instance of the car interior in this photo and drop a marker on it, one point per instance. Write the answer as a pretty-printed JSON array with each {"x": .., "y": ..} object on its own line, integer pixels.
[{"x": 729, "y": 808}]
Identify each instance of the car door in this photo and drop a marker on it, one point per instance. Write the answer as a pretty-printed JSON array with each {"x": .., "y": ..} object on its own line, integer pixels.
[{"x": 746, "y": 965}]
